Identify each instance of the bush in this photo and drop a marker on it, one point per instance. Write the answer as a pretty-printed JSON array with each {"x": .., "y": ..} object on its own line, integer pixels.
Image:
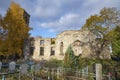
[
  {"x": 42, "y": 74},
  {"x": 53, "y": 63}
]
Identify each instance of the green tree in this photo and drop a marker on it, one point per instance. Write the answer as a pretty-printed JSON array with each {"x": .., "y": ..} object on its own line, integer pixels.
[
  {"x": 103, "y": 26},
  {"x": 17, "y": 31},
  {"x": 69, "y": 57},
  {"x": 116, "y": 43}
]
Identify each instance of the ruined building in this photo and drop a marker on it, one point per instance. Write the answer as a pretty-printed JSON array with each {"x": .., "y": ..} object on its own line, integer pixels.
[{"x": 47, "y": 48}]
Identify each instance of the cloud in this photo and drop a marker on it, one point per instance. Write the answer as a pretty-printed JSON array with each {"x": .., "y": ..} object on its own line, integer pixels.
[
  {"x": 42, "y": 9},
  {"x": 55, "y": 16},
  {"x": 4, "y": 4},
  {"x": 79, "y": 14},
  {"x": 68, "y": 21},
  {"x": 98, "y": 4}
]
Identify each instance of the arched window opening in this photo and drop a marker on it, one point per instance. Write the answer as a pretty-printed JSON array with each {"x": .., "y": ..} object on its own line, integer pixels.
[
  {"x": 77, "y": 43},
  {"x": 77, "y": 48}
]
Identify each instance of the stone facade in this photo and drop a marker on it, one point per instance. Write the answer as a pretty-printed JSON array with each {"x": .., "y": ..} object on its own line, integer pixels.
[
  {"x": 43, "y": 48},
  {"x": 47, "y": 48}
]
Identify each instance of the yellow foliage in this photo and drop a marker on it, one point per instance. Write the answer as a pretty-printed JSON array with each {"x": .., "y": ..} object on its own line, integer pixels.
[{"x": 17, "y": 29}]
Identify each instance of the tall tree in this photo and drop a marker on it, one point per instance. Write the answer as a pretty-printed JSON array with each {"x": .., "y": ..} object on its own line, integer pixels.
[
  {"x": 102, "y": 25},
  {"x": 17, "y": 30}
]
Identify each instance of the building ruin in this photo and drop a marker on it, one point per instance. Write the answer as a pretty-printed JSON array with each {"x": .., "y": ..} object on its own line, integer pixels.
[{"x": 47, "y": 48}]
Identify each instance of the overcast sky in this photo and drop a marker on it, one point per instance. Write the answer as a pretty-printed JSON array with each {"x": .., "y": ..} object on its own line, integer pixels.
[{"x": 50, "y": 17}]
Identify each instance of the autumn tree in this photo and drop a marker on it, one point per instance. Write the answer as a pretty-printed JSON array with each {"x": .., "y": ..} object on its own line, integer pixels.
[
  {"x": 103, "y": 26},
  {"x": 3, "y": 35},
  {"x": 17, "y": 30}
]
